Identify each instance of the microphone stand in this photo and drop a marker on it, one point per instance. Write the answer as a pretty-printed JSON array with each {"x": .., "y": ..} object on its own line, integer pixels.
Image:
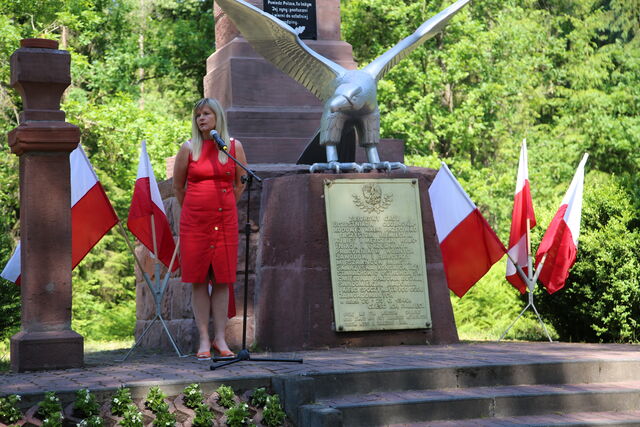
[{"x": 244, "y": 354}]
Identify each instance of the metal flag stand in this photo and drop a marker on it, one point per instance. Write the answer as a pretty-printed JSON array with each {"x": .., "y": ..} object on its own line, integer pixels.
[
  {"x": 157, "y": 289},
  {"x": 530, "y": 279}
]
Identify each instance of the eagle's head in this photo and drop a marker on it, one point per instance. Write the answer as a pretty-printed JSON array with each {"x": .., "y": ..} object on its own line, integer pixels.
[{"x": 347, "y": 97}]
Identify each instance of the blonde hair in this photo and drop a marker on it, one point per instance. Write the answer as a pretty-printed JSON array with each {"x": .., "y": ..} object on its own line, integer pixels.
[{"x": 221, "y": 125}]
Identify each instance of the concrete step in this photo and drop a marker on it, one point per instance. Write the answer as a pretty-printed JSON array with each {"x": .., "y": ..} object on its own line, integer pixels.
[
  {"x": 576, "y": 419},
  {"x": 411, "y": 406},
  {"x": 340, "y": 383}
]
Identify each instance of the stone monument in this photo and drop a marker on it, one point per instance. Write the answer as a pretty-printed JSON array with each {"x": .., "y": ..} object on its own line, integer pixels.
[
  {"x": 273, "y": 115},
  {"x": 43, "y": 140},
  {"x": 290, "y": 291}
]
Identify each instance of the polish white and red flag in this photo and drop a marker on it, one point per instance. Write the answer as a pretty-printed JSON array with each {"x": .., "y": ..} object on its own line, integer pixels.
[
  {"x": 147, "y": 218},
  {"x": 92, "y": 214},
  {"x": 523, "y": 219},
  {"x": 559, "y": 245},
  {"x": 468, "y": 244}
]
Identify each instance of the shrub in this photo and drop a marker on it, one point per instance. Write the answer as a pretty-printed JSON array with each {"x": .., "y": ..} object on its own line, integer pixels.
[
  {"x": 50, "y": 410},
  {"x": 238, "y": 415},
  {"x": 155, "y": 400},
  {"x": 93, "y": 421},
  {"x": 9, "y": 412},
  {"x": 164, "y": 419},
  {"x": 120, "y": 401},
  {"x": 86, "y": 403},
  {"x": 226, "y": 396},
  {"x": 192, "y": 396},
  {"x": 204, "y": 416},
  {"x": 601, "y": 298},
  {"x": 273, "y": 413},
  {"x": 259, "y": 397},
  {"x": 131, "y": 416}
]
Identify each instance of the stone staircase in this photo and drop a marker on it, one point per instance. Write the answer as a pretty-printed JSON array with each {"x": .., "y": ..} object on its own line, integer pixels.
[{"x": 567, "y": 393}]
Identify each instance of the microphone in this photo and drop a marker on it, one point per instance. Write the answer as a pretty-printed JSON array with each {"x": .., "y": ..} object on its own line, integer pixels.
[{"x": 216, "y": 137}]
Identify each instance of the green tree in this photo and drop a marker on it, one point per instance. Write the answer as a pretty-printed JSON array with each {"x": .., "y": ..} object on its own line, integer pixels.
[
  {"x": 601, "y": 300},
  {"x": 114, "y": 116}
]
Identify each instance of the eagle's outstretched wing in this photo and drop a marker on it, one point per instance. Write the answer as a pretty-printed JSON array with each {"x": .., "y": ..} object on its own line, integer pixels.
[
  {"x": 280, "y": 45},
  {"x": 385, "y": 62}
]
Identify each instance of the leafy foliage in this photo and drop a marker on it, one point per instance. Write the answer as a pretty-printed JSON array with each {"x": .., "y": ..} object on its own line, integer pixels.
[
  {"x": 164, "y": 418},
  {"x": 155, "y": 400},
  {"x": 259, "y": 397},
  {"x": 490, "y": 307},
  {"x": 9, "y": 412},
  {"x": 86, "y": 403},
  {"x": 602, "y": 301},
  {"x": 204, "y": 416},
  {"x": 238, "y": 415},
  {"x": 564, "y": 75},
  {"x": 273, "y": 413},
  {"x": 120, "y": 401},
  {"x": 561, "y": 74},
  {"x": 131, "y": 416},
  {"x": 192, "y": 396},
  {"x": 226, "y": 396},
  {"x": 134, "y": 65},
  {"x": 92, "y": 421},
  {"x": 50, "y": 410}
]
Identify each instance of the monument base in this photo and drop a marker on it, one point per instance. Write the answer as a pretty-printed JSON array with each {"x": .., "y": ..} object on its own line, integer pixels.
[
  {"x": 46, "y": 350},
  {"x": 290, "y": 304},
  {"x": 294, "y": 310}
]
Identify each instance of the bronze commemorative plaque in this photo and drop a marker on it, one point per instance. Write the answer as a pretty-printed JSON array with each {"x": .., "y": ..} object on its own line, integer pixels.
[{"x": 376, "y": 248}]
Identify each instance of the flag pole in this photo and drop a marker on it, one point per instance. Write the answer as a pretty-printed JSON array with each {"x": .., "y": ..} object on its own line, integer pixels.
[
  {"x": 133, "y": 252},
  {"x": 153, "y": 237},
  {"x": 529, "y": 257},
  {"x": 157, "y": 291},
  {"x": 530, "y": 282},
  {"x": 170, "y": 268}
]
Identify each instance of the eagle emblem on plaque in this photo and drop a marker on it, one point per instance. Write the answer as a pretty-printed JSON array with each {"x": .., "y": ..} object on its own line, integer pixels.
[{"x": 372, "y": 200}]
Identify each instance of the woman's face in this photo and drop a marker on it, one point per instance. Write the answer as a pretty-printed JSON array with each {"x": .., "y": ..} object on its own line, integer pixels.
[{"x": 206, "y": 120}]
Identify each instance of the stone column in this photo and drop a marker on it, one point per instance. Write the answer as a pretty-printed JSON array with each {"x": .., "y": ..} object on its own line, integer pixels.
[{"x": 43, "y": 140}]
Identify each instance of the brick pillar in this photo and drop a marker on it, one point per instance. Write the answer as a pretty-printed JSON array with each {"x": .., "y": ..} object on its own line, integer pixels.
[{"x": 43, "y": 140}]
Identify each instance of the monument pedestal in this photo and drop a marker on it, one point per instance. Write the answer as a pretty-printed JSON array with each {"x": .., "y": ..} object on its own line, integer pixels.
[
  {"x": 290, "y": 304},
  {"x": 32, "y": 351},
  {"x": 293, "y": 303}
]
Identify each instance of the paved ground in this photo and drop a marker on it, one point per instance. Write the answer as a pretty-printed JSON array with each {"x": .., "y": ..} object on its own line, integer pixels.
[{"x": 145, "y": 368}]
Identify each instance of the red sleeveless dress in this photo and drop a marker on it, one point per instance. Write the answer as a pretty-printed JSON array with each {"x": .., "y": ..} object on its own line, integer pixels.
[{"x": 209, "y": 220}]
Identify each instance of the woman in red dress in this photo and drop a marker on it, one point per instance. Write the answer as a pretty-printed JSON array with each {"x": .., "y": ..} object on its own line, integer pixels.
[{"x": 207, "y": 185}]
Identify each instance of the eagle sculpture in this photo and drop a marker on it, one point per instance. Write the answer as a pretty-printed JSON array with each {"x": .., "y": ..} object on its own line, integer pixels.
[{"x": 350, "y": 110}]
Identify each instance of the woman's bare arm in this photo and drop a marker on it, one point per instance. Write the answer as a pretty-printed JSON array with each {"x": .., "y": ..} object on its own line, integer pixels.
[{"x": 180, "y": 172}]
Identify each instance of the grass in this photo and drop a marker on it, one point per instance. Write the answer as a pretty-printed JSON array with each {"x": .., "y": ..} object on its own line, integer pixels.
[
  {"x": 5, "y": 362},
  {"x": 93, "y": 346},
  {"x": 90, "y": 347},
  {"x": 490, "y": 306}
]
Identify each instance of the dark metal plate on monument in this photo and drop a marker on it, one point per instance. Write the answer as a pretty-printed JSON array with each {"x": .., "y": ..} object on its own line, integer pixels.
[
  {"x": 299, "y": 14},
  {"x": 377, "y": 255}
]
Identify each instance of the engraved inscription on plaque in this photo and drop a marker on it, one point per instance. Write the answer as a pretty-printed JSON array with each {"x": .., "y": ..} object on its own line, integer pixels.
[
  {"x": 376, "y": 246},
  {"x": 299, "y": 14}
]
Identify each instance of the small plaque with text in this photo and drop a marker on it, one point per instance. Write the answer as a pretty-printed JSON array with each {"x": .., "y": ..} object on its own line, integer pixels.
[{"x": 299, "y": 14}]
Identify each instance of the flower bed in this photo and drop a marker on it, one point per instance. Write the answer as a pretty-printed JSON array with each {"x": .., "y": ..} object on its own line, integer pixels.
[{"x": 191, "y": 408}]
